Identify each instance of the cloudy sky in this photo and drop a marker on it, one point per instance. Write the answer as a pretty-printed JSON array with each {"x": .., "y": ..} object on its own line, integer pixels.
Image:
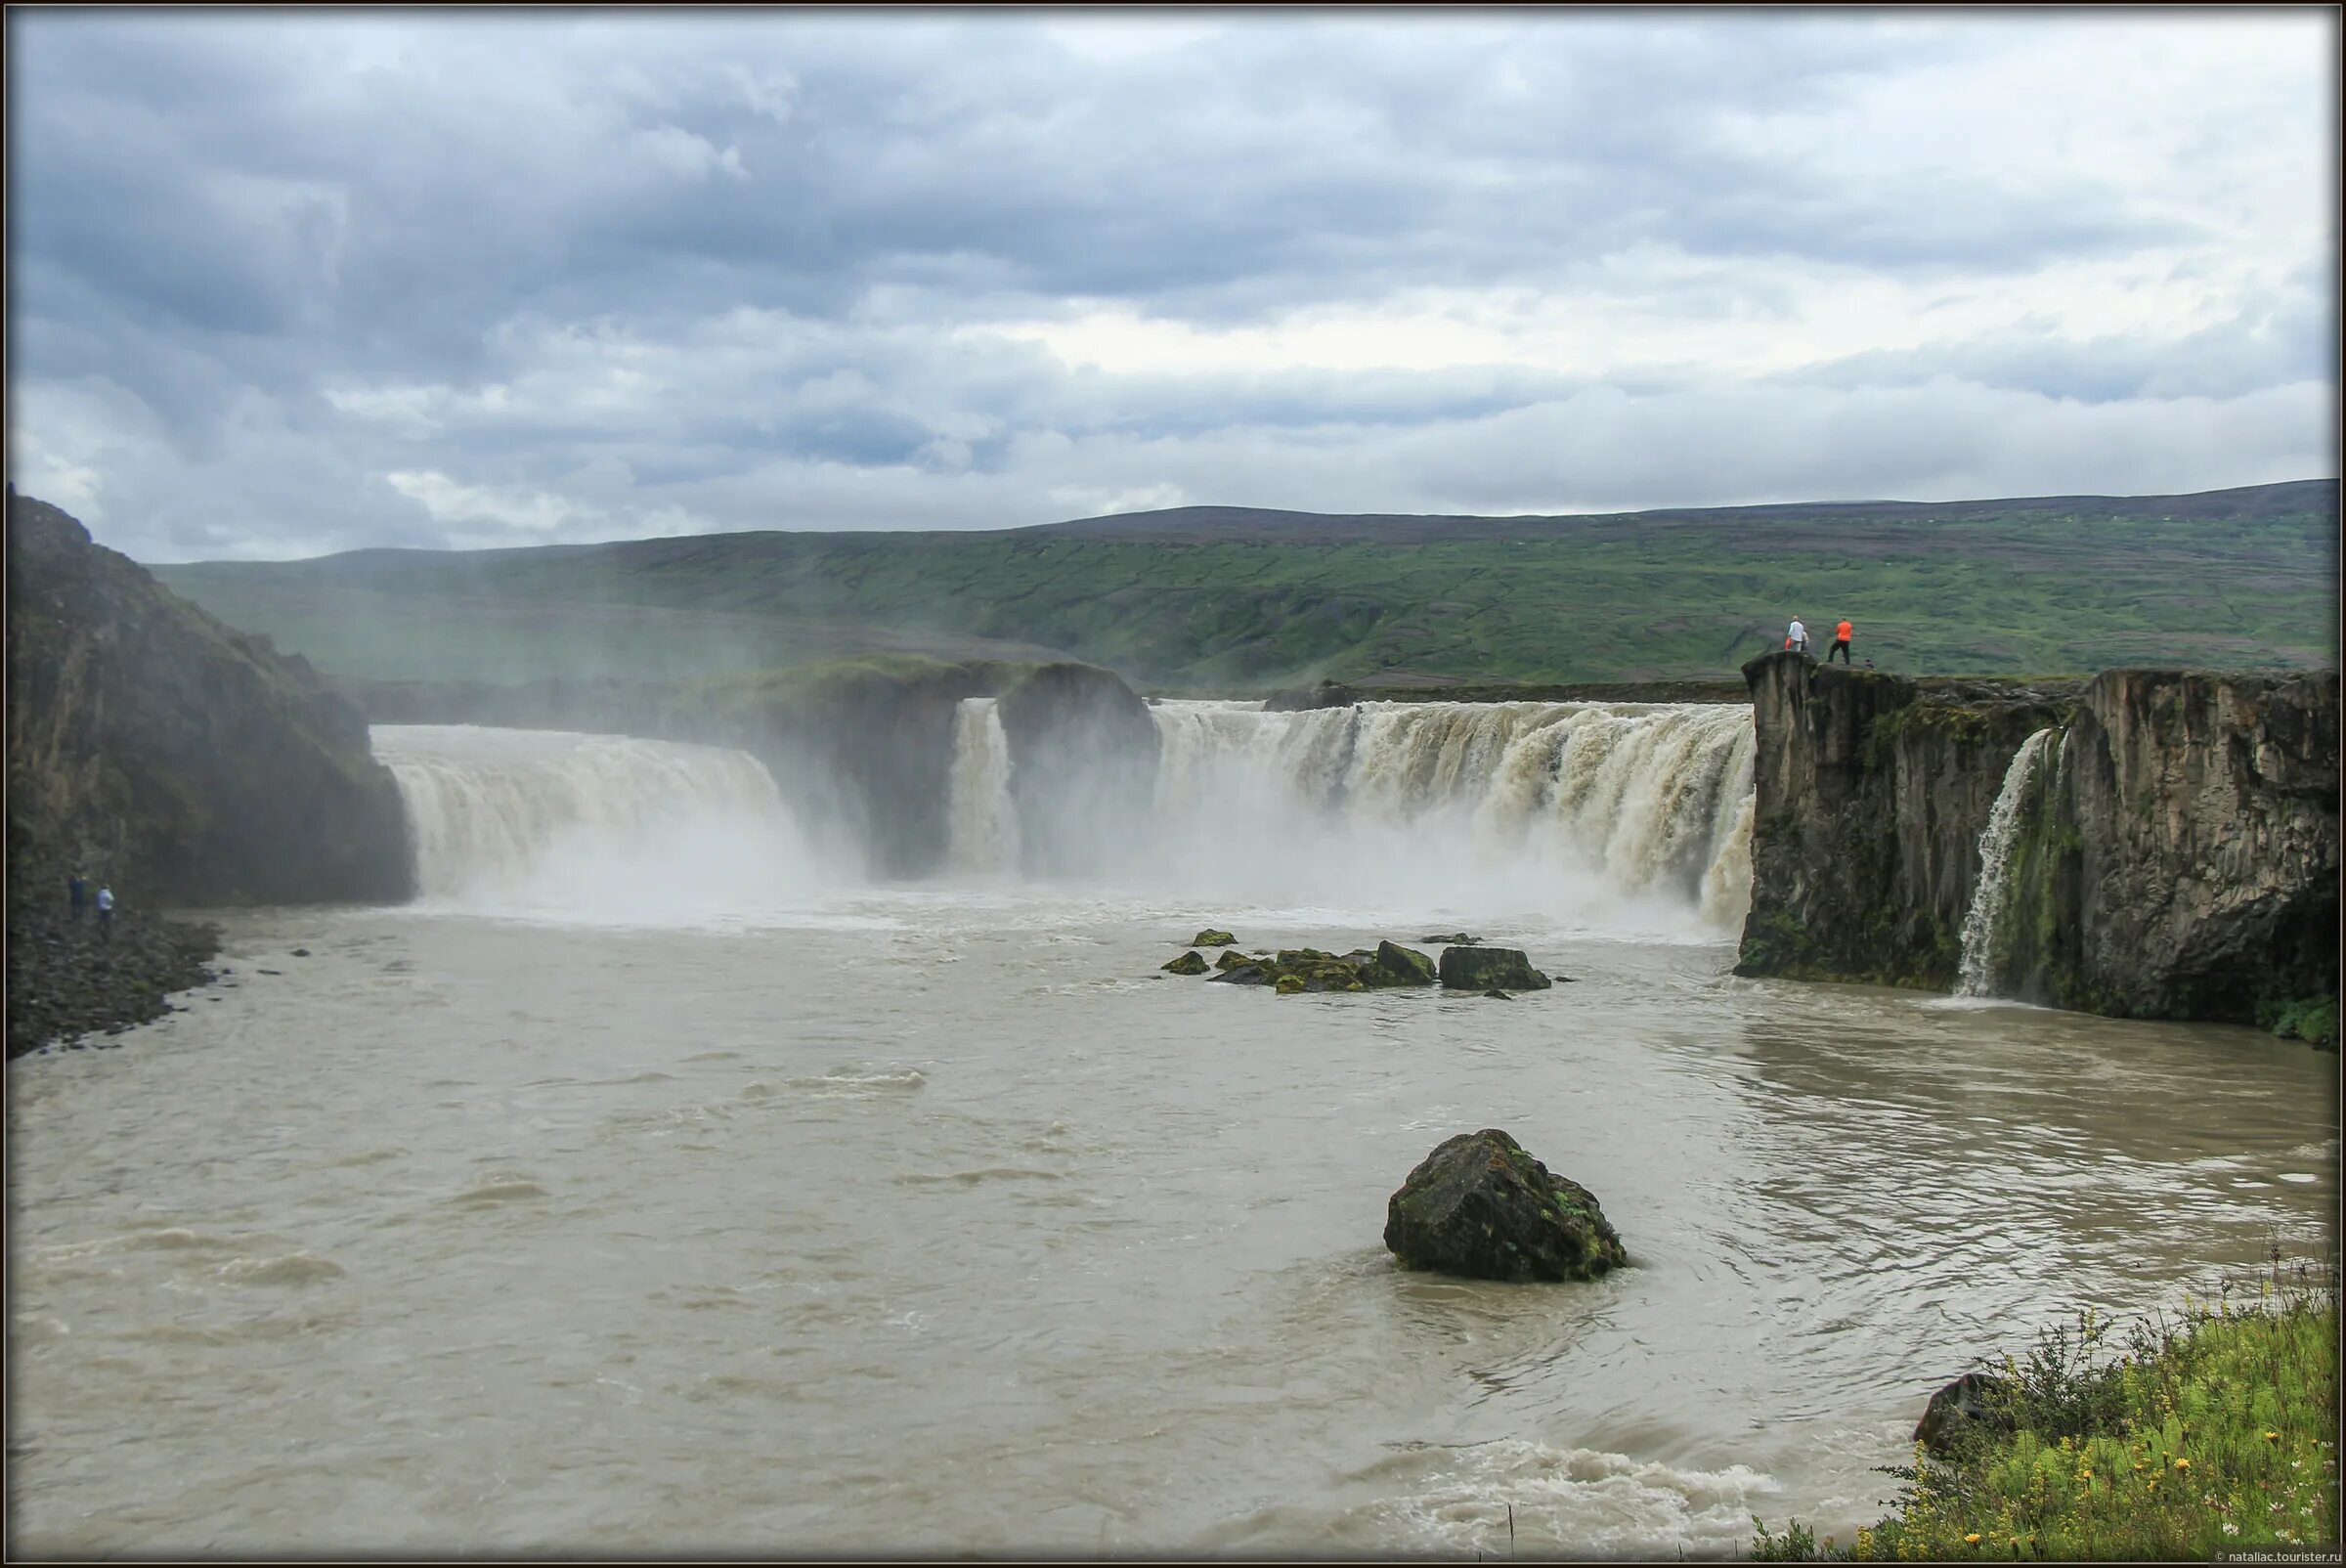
[{"x": 286, "y": 284}]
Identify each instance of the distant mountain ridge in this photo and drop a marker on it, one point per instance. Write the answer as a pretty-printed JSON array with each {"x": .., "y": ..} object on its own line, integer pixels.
[
  {"x": 1240, "y": 600},
  {"x": 1174, "y": 523},
  {"x": 1274, "y": 525}
]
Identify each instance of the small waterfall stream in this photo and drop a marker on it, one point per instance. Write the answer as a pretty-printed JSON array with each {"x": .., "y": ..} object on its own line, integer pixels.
[
  {"x": 984, "y": 824},
  {"x": 1986, "y": 937}
]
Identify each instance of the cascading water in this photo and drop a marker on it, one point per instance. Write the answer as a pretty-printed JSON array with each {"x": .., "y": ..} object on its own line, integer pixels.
[
  {"x": 984, "y": 824},
  {"x": 1986, "y": 943},
  {"x": 1574, "y": 808},
  {"x": 589, "y": 827}
]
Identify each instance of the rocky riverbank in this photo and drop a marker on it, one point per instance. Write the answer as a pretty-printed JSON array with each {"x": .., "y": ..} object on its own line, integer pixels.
[
  {"x": 65, "y": 982},
  {"x": 180, "y": 761}
]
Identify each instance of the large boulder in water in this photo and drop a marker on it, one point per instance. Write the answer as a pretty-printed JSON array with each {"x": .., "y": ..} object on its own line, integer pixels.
[
  {"x": 1480, "y": 1207},
  {"x": 1483, "y": 969}
]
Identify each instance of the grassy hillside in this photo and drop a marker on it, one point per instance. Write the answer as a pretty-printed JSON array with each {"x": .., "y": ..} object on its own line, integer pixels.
[{"x": 1231, "y": 600}]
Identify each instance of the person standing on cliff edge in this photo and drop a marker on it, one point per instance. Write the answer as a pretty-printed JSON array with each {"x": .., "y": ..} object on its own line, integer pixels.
[
  {"x": 1840, "y": 644},
  {"x": 106, "y": 913},
  {"x": 77, "y": 894},
  {"x": 1797, "y": 640}
]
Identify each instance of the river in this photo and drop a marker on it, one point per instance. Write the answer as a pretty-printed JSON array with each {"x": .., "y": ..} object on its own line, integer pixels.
[{"x": 651, "y": 1212}]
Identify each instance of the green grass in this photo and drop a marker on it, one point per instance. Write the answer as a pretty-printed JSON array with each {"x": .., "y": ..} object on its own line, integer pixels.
[
  {"x": 2214, "y": 1433},
  {"x": 1665, "y": 596}
]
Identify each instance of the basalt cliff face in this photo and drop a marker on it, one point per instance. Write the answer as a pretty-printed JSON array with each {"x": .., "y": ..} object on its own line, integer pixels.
[
  {"x": 186, "y": 763},
  {"x": 863, "y": 748},
  {"x": 2170, "y": 850},
  {"x": 2185, "y": 861}
]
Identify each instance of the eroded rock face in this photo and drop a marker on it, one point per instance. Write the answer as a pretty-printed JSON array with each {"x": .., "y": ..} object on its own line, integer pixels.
[
  {"x": 1484, "y": 969},
  {"x": 1481, "y": 1208},
  {"x": 2176, "y": 855}
]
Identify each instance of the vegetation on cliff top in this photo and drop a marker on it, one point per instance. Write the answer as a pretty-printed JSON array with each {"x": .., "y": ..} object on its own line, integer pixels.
[
  {"x": 1220, "y": 600},
  {"x": 2214, "y": 1433}
]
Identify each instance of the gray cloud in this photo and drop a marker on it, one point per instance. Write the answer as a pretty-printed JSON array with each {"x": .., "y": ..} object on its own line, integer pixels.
[{"x": 283, "y": 283}]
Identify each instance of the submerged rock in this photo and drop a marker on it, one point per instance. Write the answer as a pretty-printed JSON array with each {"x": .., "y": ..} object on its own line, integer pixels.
[
  {"x": 1185, "y": 964},
  {"x": 1476, "y": 969},
  {"x": 1231, "y": 958},
  {"x": 1499, "y": 995},
  {"x": 1210, "y": 937},
  {"x": 1975, "y": 1402},
  {"x": 1288, "y": 985},
  {"x": 1253, "y": 971},
  {"x": 1481, "y": 1208},
  {"x": 1458, "y": 938}
]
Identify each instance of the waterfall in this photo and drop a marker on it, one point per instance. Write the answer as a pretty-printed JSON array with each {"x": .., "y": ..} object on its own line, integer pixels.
[
  {"x": 547, "y": 822},
  {"x": 1536, "y": 806},
  {"x": 984, "y": 824},
  {"x": 1987, "y": 944}
]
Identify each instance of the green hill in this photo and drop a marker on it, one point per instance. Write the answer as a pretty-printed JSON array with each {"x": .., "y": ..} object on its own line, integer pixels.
[{"x": 1231, "y": 600}]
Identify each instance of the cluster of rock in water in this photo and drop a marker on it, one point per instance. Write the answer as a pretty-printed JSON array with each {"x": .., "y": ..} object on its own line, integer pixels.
[
  {"x": 1479, "y": 1205},
  {"x": 1465, "y": 965}
]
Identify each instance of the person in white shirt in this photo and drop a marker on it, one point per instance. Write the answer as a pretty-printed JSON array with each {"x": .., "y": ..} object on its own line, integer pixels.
[
  {"x": 106, "y": 913},
  {"x": 1796, "y": 638}
]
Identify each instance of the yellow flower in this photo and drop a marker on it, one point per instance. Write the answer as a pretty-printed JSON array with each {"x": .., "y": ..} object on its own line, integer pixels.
[
  {"x": 2272, "y": 1437},
  {"x": 2182, "y": 1464},
  {"x": 1972, "y": 1539}
]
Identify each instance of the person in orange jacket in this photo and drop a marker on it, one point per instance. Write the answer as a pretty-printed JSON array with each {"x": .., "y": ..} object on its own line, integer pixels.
[{"x": 1841, "y": 643}]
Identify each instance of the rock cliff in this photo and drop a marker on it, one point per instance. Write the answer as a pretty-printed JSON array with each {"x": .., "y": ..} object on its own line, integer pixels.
[
  {"x": 1871, "y": 793},
  {"x": 158, "y": 752},
  {"x": 1083, "y": 753},
  {"x": 2185, "y": 863},
  {"x": 2174, "y": 855},
  {"x": 188, "y": 763}
]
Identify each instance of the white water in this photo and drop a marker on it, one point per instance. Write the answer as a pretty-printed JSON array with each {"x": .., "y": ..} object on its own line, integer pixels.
[
  {"x": 594, "y": 829},
  {"x": 986, "y": 827},
  {"x": 1624, "y": 817},
  {"x": 1986, "y": 943}
]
